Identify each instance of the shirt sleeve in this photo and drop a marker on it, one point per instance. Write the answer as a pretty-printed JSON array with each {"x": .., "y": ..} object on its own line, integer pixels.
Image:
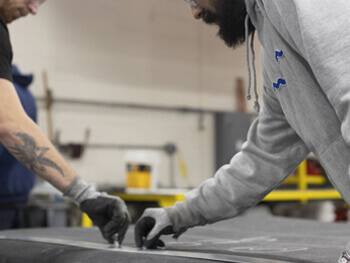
[
  {"x": 5, "y": 53},
  {"x": 272, "y": 152}
]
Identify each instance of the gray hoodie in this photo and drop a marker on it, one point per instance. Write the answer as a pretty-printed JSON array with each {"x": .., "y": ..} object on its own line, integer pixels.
[{"x": 306, "y": 94}]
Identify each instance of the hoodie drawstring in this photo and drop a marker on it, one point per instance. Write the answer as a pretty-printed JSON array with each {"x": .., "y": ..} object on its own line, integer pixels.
[{"x": 256, "y": 103}]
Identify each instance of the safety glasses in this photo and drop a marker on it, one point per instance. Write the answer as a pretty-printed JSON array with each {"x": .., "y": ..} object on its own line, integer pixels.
[{"x": 191, "y": 2}]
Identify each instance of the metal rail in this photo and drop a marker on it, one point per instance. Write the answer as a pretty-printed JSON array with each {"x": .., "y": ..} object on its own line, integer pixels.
[{"x": 110, "y": 104}]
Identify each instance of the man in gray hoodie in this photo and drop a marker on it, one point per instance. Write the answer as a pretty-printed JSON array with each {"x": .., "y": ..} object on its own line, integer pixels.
[{"x": 306, "y": 95}]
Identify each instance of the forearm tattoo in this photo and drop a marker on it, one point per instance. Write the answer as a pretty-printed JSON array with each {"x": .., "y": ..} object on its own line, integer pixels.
[{"x": 31, "y": 155}]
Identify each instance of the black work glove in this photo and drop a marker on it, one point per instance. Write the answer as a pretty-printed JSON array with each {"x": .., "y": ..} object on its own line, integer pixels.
[
  {"x": 107, "y": 212},
  {"x": 153, "y": 223}
]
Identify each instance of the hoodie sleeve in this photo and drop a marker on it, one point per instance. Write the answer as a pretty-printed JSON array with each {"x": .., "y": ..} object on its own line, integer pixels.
[
  {"x": 272, "y": 152},
  {"x": 321, "y": 30}
]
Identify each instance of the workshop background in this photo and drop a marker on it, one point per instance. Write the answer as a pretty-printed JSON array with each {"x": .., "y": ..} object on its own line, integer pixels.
[
  {"x": 145, "y": 53},
  {"x": 143, "y": 82}
]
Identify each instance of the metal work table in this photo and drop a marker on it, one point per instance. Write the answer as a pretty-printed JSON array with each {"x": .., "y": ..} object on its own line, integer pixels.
[{"x": 254, "y": 237}]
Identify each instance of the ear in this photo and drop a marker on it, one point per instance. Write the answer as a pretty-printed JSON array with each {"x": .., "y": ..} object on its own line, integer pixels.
[{"x": 197, "y": 12}]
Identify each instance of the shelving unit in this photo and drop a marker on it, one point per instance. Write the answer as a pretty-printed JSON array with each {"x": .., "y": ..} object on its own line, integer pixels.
[{"x": 302, "y": 192}]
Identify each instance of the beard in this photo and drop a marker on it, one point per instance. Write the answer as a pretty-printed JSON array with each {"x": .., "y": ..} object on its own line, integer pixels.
[{"x": 229, "y": 18}]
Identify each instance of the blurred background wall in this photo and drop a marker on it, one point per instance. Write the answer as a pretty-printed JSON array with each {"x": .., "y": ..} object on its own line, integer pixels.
[{"x": 136, "y": 52}]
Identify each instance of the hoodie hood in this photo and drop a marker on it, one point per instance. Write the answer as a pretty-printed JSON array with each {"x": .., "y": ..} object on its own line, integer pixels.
[{"x": 252, "y": 8}]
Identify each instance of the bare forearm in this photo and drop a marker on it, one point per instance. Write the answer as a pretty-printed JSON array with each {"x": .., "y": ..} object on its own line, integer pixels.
[{"x": 25, "y": 141}]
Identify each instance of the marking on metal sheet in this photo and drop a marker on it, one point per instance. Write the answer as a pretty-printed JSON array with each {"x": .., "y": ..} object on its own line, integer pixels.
[
  {"x": 226, "y": 241},
  {"x": 267, "y": 249},
  {"x": 52, "y": 251}
]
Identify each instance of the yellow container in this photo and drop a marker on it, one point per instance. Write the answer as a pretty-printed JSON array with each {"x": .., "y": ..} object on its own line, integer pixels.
[
  {"x": 138, "y": 179},
  {"x": 138, "y": 176}
]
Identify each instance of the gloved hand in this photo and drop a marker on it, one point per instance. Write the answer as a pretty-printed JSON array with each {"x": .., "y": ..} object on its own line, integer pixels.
[
  {"x": 107, "y": 212},
  {"x": 153, "y": 223}
]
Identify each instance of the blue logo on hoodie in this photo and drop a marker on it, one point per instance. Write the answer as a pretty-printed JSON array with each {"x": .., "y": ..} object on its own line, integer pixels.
[
  {"x": 280, "y": 82},
  {"x": 279, "y": 55}
]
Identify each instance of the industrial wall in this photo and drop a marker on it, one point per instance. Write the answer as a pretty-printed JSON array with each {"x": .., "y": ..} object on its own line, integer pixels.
[{"x": 140, "y": 52}]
